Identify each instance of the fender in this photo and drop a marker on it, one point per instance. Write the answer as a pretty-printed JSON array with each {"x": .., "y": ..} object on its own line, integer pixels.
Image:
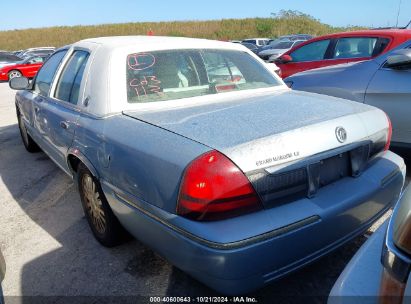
[{"x": 75, "y": 151}]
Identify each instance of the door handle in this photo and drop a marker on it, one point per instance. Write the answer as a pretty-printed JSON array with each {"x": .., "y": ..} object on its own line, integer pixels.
[{"x": 64, "y": 125}]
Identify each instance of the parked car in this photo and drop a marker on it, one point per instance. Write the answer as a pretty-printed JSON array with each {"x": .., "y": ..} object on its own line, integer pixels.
[
  {"x": 252, "y": 47},
  {"x": 8, "y": 57},
  {"x": 201, "y": 152},
  {"x": 36, "y": 51},
  {"x": 380, "y": 277},
  {"x": 340, "y": 48},
  {"x": 2, "y": 274},
  {"x": 295, "y": 37},
  {"x": 274, "y": 50},
  {"x": 382, "y": 82},
  {"x": 27, "y": 67},
  {"x": 257, "y": 41}
]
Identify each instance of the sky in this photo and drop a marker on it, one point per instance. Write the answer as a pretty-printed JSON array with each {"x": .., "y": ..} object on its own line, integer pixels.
[{"x": 44, "y": 13}]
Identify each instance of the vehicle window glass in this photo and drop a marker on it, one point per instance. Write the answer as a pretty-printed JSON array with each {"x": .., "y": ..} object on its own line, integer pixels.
[
  {"x": 68, "y": 85},
  {"x": 165, "y": 75},
  {"x": 36, "y": 60},
  {"x": 311, "y": 52},
  {"x": 355, "y": 47},
  {"x": 46, "y": 74},
  {"x": 380, "y": 46}
]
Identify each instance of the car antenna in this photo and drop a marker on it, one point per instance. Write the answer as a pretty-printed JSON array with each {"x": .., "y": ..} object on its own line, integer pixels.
[{"x": 398, "y": 14}]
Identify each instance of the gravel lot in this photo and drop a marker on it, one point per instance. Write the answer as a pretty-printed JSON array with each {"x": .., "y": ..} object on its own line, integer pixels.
[{"x": 50, "y": 251}]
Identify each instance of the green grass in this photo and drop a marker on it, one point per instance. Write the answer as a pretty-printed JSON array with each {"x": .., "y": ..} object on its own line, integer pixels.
[{"x": 225, "y": 29}]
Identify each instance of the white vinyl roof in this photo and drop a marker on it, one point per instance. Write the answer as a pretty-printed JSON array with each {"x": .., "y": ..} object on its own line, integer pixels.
[{"x": 106, "y": 84}]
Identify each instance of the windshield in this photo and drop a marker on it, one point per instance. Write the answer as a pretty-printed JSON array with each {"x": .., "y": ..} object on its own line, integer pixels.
[{"x": 175, "y": 74}]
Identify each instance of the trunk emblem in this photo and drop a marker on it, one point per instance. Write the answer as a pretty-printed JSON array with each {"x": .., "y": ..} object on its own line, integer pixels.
[{"x": 341, "y": 134}]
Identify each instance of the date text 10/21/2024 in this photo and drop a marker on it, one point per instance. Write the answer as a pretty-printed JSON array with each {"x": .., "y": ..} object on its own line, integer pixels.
[{"x": 203, "y": 300}]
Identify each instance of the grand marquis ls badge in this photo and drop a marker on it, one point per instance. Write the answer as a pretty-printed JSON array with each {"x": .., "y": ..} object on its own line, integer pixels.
[{"x": 341, "y": 134}]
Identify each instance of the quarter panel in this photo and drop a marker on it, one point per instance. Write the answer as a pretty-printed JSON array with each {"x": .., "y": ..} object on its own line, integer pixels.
[{"x": 138, "y": 158}]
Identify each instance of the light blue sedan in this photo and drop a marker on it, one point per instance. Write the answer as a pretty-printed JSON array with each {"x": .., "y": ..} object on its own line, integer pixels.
[{"x": 199, "y": 150}]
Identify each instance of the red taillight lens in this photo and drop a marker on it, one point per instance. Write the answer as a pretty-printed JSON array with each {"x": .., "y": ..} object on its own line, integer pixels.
[
  {"x": 213, "y": 187},
  {"x": 389, "y": 135}
]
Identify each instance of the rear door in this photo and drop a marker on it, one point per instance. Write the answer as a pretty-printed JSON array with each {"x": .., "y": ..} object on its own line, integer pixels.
[
  {"x": 390, "y": 90},
  {"x": 61, "y": 107}
]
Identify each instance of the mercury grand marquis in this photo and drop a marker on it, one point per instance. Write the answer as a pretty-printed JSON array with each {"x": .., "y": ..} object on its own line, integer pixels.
[{"x": 198, "y": 149}]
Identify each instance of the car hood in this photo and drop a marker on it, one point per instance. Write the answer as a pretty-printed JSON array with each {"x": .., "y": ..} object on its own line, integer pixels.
[{"x": 264, "y": 124}]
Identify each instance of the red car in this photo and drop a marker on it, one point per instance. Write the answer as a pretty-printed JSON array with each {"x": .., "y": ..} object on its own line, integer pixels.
[
  {"x": 340, "y": 48},
  {"x": 27, "y": 67}
]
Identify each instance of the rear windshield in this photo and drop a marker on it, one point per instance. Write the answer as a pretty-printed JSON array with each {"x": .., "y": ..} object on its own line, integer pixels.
[{"x": 175, "y": 74}]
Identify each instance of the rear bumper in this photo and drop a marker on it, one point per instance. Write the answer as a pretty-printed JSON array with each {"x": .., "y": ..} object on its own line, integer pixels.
[{"x": 242, "y": 254}]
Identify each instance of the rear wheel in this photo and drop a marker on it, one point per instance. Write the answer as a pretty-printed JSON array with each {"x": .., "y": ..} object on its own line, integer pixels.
[
  {"x": 14, "y": 73},
  {"x": 28, "y": 142},
  {"x": 105, "y": 226}
]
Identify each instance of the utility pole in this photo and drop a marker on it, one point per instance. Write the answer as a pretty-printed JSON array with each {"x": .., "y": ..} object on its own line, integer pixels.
[{"x": 398, "y": 14}]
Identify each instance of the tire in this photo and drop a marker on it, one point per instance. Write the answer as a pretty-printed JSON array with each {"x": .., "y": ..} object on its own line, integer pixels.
[
  {"x": 103, "y": 223},
  {"x": 28, "y": 142},
  {"x": 14, "y": 73}
]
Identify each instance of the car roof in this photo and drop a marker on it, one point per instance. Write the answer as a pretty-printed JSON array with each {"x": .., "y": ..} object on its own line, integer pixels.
[
  {"x": 256, "y": 39},
  {"x": 381, "y": 32},
  {"x": 156, "y": 42}
]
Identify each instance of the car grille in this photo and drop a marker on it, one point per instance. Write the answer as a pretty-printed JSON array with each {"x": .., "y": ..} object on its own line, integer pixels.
[{"x": 305, "y": 181}]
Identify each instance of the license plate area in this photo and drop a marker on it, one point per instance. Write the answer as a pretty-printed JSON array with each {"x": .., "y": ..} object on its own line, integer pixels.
[{"x": 329, "y": 170}]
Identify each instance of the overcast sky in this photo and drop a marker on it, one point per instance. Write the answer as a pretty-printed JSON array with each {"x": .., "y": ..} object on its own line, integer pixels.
[{"x": 44, "y": 13}]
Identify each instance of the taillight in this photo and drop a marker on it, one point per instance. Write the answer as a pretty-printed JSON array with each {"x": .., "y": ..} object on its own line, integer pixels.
[
  {"x": 389, "y": 135},
  {"x": 213, "y": 187}
]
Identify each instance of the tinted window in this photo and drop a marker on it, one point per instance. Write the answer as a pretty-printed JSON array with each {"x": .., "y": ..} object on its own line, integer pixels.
[
  {"x": 250, "y": 41},
  {"x": 355, "y": 47},
  {"x": 68, "y": 86},
  {"x": 311, "y": 52},
  {"x": 35, "y": 60},
  {"x": 165, "y": 75},
  {"x": 46, "y": 74}
]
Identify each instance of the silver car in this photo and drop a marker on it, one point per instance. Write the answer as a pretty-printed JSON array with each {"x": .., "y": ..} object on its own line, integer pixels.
[{"x": 383, "y": 82}]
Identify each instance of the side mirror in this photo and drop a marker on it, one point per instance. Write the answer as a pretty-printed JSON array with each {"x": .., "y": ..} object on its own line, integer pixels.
[
  {"x": 284, "y": 59},
  {"x": 19, "y": 83},
  {"x": 399, "y": 59}
]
